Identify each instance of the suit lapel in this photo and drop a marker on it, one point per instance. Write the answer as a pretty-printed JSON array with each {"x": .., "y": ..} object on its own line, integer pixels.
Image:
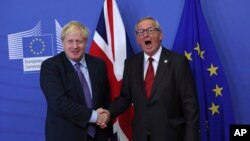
[
  {"x": 161, "y": 70},
  {"x": 140, "y": 70},
  {"x": 73, "y": 78},
  {"x": 138, "y": 75},
  {"x": 92, "y": 69}
]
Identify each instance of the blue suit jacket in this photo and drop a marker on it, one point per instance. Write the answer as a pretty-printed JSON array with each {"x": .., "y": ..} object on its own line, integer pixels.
[{"x": 67, "y": 113}]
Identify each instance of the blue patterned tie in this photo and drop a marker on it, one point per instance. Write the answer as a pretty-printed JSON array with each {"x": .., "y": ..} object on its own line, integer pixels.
[{"x": 87, "y": 95}]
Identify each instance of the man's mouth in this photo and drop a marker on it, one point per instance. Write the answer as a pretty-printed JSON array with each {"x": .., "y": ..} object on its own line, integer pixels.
[
  {"x": 147, "y": 42},
  {"x": 75, "y": 52}
]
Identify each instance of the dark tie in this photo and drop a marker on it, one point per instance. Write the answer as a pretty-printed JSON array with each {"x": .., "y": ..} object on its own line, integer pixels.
[
  {"x": 149, "y": 78},
  {"x": 87, "y": 95}
]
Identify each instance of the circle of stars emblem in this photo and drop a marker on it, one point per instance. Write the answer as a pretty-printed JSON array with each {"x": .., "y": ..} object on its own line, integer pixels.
[{"x": 35, "y": 50}]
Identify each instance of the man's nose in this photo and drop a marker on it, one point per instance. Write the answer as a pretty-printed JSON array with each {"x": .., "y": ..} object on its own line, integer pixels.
[
  {"x": 145, "y": 33},
  {"x": 74, "y": 44}
]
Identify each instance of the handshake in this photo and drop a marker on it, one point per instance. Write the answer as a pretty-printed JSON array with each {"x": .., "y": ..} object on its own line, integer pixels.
[{"x": 103, "y": 117}]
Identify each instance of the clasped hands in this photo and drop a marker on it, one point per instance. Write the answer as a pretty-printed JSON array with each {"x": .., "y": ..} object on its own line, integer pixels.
[{"x": 103, "y": 117}]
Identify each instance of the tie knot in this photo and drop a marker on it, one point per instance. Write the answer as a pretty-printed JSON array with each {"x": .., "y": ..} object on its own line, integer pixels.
[
  {"x": 77, "y": 65},
  {"x": 150, "y": 59}
]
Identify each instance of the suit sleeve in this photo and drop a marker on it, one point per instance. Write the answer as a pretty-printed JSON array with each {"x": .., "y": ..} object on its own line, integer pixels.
[
  {"x": 189, "y": 101},
  {"x": 123, "y": 101}
]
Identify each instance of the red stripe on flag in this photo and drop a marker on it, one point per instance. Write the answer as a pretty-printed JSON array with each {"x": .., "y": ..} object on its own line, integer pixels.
[
  {"x": 111, "y": 25},
  {"x": 115, "y": 85}
]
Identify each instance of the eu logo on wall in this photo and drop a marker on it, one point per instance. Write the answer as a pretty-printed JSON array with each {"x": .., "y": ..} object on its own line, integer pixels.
[
  {"x": 33, "y": 47},
  {"x": 35, "y": 50}
]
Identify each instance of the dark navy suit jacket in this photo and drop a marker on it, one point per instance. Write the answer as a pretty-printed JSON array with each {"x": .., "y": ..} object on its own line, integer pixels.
[
  {"x": 67, "y": 113},
  {"x": 171, "y": 113}
]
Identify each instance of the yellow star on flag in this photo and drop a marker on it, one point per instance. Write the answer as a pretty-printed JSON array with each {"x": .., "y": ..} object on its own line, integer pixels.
[
  {"x": 199, "y": 51},
  {"x": 217, "y": 90},
  {"x": 202, "y": 54},
  {"x": 214, "y": 108},
  {"x": 212, "y": 70},
  {"x": 197, "y": 48},
  {"x": 188, "y": 55}
]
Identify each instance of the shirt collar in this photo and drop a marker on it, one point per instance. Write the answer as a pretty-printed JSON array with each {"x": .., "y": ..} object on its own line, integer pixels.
[
  {"x": 82, "y": 61},
  {"x": 156, "y": 56}
]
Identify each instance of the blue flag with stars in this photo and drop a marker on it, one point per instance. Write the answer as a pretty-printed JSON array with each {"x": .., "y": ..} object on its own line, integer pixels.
[
  {"x": 37, "y": 46},
  {"x": 193, "y": 39}
]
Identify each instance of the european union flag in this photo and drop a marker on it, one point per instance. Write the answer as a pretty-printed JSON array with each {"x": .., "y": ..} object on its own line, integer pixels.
[
  {"x": 37, "y": 46},
  {"x": 193, "y": 39}
]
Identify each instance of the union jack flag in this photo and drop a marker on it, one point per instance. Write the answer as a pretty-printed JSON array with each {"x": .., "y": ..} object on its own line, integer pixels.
[{"x": 110, "y": 43}]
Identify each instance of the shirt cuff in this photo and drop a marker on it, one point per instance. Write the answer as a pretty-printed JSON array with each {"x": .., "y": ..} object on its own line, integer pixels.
[{"x": 93, "y": 117}]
